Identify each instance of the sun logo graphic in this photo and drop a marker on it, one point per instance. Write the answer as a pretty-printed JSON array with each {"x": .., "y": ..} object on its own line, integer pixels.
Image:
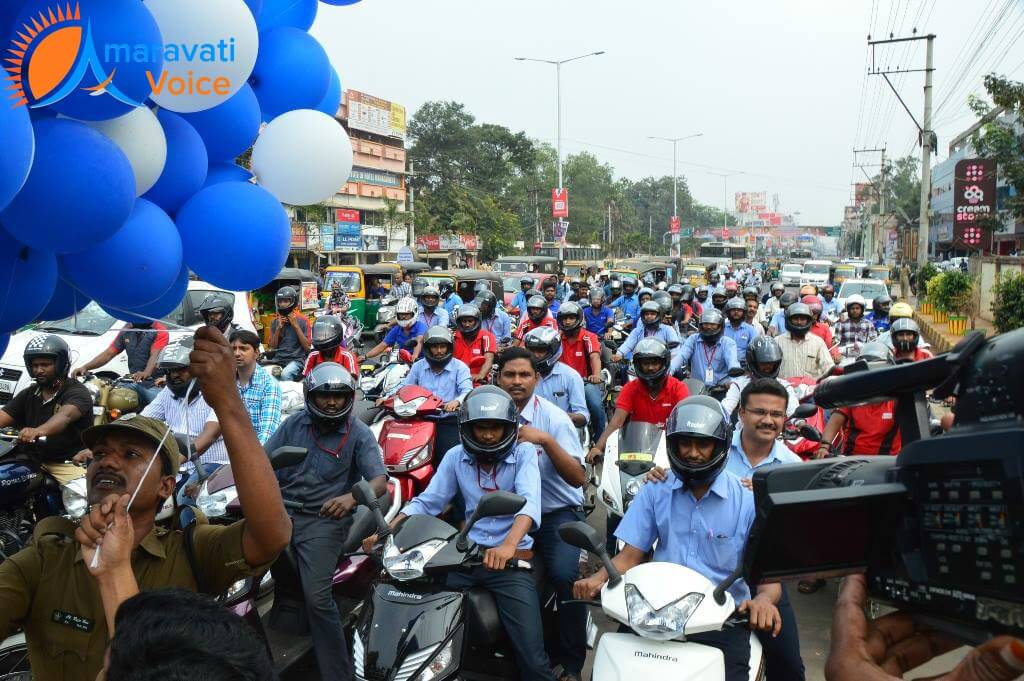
[{"x": 50, "y": 56}]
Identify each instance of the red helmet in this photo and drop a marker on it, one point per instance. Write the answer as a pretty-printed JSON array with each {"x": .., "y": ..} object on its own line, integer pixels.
[
  {"x": 814, "y": 303},
  {"x": 732, "y": 286}
]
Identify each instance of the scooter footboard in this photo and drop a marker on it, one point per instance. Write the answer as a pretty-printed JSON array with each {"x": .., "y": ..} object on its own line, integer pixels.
[{"x": 627, "y": 656}]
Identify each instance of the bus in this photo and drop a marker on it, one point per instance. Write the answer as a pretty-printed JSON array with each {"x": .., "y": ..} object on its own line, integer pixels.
[
  {"x": 570, "y": 251},
  {"x": 723, "y": 249},
  {"x": 801, "y": 254}
]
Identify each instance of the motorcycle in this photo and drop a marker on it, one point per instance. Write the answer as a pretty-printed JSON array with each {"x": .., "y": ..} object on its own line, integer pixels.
[
  {"x": 807, "y": 420},
  {"x": 628, "y": 458},
  {"x": 385, "y": 317},
  {"x": 411, "y": 626},
  {"x": 352, "y": 328},
  {"x": 405, "y": 431},
  {"x": 384, "y": 377},
  {"x": 661, "y": 603},
  {"x": 112, "y": 397},
  {"x": 293, "y": 398}
]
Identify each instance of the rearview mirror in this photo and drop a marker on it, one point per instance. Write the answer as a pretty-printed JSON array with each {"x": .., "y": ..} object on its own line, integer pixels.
[
  {"x": 363, "y": 493},
  {"x": 492, "y": 505},
  {"x": 283, "y": 457},
  {"x": 804, "y": 411},
  {"x": 810, "y": 433},
  {"x": 582, "y": 536},
  {"x": 736, "y": 373}
]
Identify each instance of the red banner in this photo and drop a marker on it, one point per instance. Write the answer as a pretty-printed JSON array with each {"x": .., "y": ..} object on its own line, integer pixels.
[
  {"x": 346, "y": 215},
  {"x": 560, "y": 203},
  {"x": 674, "y": 224}
]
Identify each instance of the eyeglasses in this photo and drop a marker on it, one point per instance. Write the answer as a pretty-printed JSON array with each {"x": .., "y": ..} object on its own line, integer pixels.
[{"x": 761, "y": 413}]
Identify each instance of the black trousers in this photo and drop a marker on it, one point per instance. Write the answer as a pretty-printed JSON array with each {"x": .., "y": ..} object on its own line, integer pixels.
[
  {"x": 735, "y": 646},
  {"x": 782, "y": 653}
]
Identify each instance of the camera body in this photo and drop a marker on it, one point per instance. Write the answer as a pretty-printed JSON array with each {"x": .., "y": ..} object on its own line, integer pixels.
[{"x": 939, "y": 529}]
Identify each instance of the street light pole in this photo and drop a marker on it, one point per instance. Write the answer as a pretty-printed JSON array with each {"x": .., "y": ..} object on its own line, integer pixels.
[
  {"x": 675, "y": 174},
  {"x": 725, "y": 197},
  {"x": 558, "y": 126}
]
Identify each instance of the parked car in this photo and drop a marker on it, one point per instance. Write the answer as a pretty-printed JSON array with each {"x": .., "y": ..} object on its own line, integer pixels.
[{"x": 868, "y": 288}]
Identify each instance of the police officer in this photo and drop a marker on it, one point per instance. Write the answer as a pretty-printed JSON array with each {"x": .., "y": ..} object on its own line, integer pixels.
[{"x": 341, "y": 451}]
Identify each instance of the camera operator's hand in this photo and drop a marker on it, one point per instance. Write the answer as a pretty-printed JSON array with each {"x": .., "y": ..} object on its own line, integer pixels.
[{"x": 884, "y": 649}]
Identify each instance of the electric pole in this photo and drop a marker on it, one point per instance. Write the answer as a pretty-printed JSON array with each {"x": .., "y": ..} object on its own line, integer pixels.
[{"x": 869, "y": 244}]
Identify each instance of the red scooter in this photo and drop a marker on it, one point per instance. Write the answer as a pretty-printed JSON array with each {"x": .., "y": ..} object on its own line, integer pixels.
[
  {"x": 406, "y": 436},
  {"x": 793, "y": 435}
]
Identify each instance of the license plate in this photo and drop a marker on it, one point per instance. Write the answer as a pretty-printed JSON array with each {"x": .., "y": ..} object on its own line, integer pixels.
[
  {"x": 636, "y": 456},
  {"x": 8, "y": 386}
]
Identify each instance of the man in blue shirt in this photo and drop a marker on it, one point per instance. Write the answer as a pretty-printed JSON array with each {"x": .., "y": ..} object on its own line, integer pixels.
[
  {"x": 562, "y": 478},
  {"x": 549, "y": 291},
  {"x": 829, "y": 304},
  {"x": 709, "y": 354},
  {"x": 429, "y": 312},
  {"x": 737, "y": 329},
  {"x": 628, "y": 301},
  {"x": 559, "y": 383},
  {"x": 406, "y": 333},
  {"x": 494, "y": 319},
  {"x": 489, "y": 459},
  {"x": 597, "y": 316},
  {"x": 451, "y": 299},
  {"x": 699, "y": 517},
  {"x": 652, "y": 327},
  {"x": 519, "y": 301}
]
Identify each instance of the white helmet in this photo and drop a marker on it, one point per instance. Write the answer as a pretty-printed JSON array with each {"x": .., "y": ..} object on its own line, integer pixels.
[
  {"x": 662, "y": 286},
  {"x": 856, "y": 299},
  {"x": 406, "y": 306}
]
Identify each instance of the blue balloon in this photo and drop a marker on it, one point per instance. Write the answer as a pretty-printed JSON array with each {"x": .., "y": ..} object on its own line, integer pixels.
[
  {"x": 5, "y": 339},
  {"x": 80, "y": 190},
  {"x": 66, "y": 300},
  {"x": 226, "y": 172},
  {"x": 110, "y": 59},
  {"x": 332, "y": 100},
  {"x": 292, "y": 72},
  {"x": 295, "y": 13},
  {"x": 28, "y": 277},
  {"x": 256, "y": 7},
  {"x": 236, "y": 235},
  {"x": 340, "y": 3},
  {"x": 185, "y": 170},
  {"x": 159, "y": 308},
  {"x": 133, "y": 267},
  {"x": 228, "y": 129},
  {"x": 18, "y": 142}
]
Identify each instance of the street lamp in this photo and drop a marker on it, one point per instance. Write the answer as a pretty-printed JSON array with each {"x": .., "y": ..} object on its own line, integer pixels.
[
  {"x": 725, "y": 196},
  {"x": 675, "y": 175},
  {"x": 558, "y": 86}
]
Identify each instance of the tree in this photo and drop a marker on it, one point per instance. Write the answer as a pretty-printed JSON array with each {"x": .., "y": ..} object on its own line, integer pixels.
[{"x": 1002, "y": 139}]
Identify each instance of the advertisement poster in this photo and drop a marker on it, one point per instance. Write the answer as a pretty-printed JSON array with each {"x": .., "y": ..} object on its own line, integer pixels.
[
  {"x": 312, "y": 237},
  {"x": 327, "y": 237},
  {"x": 560, "y": 203},
  {"x": 376, "y": 115},
  {"x": 974, "y": 198},
  {"x": 298, "y": 236},
  {"x": 310, "y": 299},
  {"x": 751, "y": 202},
  {"x": 375, "y": 243}
]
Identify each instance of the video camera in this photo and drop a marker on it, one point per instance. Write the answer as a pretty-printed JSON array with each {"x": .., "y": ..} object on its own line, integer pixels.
[{"x": 939, "y": 529}]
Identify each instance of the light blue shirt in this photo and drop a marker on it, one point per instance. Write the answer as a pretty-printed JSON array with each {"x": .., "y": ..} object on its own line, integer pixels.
[
  {"x": 458, "y": 472},
  {"x": 706, "y": 536},
  {"x": 723, "y": 357},
  {"x": 779, "y": 321},
  {"x": 555, "y": 492},
  {"x": 451, "y": 383},
  {"x": 742, "y": 335},
  {"x": 439, "y": 318},
  {"x": 500, "y": 325},
  {"x": 563, "y": 387},
  {"x": 739, "y": 465},
  {"x": 630, "y": 306},
  {"x": 830, "y": 306},
  {"x": 519, "y": 302},
  {"x": 451, "y": 302},
  {"x": 665, "y": 333}
]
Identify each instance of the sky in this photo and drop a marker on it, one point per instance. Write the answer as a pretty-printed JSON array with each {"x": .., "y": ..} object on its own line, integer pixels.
[{"x": 778, "y": 88}]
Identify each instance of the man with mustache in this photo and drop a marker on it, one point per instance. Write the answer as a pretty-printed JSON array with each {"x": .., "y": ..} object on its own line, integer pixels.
[{"x": 55, "y": 592}]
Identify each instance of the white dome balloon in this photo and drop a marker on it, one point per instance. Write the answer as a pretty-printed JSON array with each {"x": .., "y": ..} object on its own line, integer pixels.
[{"x": 140, "y": 136}]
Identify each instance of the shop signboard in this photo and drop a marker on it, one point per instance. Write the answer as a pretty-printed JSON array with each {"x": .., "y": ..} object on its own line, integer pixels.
[
  {"x": 974, "y": 198},
  {"x": 298, "y": 242},
  {"x": 327, "y": 237}
]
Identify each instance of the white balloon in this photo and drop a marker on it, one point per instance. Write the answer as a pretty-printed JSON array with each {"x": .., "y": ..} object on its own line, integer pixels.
[
  {"x": 215, "y": 41},
  {"x": 302, "y": 157},
  {"x": 141, "y": 137}
]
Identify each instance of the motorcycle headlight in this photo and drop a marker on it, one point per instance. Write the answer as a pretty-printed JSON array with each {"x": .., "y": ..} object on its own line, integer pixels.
[
  {"x": 73, "y": 494},
  {"x": 215, "y": 505},
  {"x": 633, "y": 488},
  {"x": 439, "y": 664},
  {"x": 409, "y": 565},
  {"x": 291, "y": 403},
  {"x": 239, "y": 588},
  {"x": 664, "y": 624},
  {"x": 408, "y": 408},
  {"x": 411, "y": 460}
]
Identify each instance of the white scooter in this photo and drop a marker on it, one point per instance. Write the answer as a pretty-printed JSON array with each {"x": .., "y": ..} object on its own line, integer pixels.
[
  {"x": 382, "y": 379},
  {"x": 637, "y": 448},
  {"x": 662, "y": 603}
]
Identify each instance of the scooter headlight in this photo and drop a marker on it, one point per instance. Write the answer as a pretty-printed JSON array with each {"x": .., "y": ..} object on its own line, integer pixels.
[
  {"x": 411, "y": 460},
  {"x": 664, "y": 624},
  {"x": 408, "y": 408},
  {"x": 633, "y": 488},
  {"x": 441, "y": 662},
  {"x": 409, "y": 565},
  {"x": 215, "y": 505},
  {"x": 74, "y": 496},
  {"x": 291, "y": 402},
  {"x": 237, "y": 589}
]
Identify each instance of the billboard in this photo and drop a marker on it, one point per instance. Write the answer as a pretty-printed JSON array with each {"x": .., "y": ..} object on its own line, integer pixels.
[
  {"x": 673, "y": 224},
  {"x": 327, "y": 237},
  {"x": 974, "y": 198},
  {"x": 560, "y": 203},
  {"x": 751, "y": 202},
  {"x": 298, "y": 236},
  {"x": 448, "y": 242},
  {"x": 376, "y": 115},
  {"x": 375, "y": 243}
]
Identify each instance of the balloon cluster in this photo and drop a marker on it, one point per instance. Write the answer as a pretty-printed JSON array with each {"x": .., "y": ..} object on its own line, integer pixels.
[{"x": 119, "y": 177}]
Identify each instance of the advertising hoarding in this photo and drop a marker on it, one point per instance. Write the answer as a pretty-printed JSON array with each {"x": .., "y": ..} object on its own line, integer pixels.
[
  {"x": 376, "y": 115},
  {"x": 560, "y": 203},
  {"x": 974, "y": 198},
  {"x": 751, "y": 202},
  {"x": 298, "y": 236}
]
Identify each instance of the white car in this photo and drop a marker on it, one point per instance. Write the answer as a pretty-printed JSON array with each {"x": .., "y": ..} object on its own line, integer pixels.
[
  {"x": 92, "y": 331},
  {"x": 868, "y": 288},
  {"x": 816, "y": 272},
  {"x": 791, "y": 274}
]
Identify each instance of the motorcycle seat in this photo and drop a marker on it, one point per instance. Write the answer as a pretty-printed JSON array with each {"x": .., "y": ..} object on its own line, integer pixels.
[{"x": 483, "y": 623}]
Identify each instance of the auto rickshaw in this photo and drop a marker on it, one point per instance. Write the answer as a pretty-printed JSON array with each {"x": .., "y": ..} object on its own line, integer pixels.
[
  {"x": 414, "y": 268},
  {"x": 465, "y": 282},
  {"x": 879, "y": 273},
  {"x": 522, "y": 264},
  {"x": 841, "y": 273},
  {"x": 580, "y": 269},
  {"x": 694, "y": 274},
  {"x": 640, "y": 268},
  {"x": 263, "y": 304},
  {"x": 365, "y": 285}
]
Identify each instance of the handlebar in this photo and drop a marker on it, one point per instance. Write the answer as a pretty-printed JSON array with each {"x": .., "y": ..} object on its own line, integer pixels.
[
  {"x": 308, "y": 509},
  {"x": 13, "y": 436}
]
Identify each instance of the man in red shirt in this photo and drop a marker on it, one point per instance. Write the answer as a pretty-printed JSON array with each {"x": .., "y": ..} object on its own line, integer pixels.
[
  {"x": 537, "y": 315},
  {"x": 327, "y": 336},
  {"x": 650, "y": 398},
  {"x": 581, "y": 350},
  {"x": 474, "y": 346},
  {"x": 905, "y": 335}
]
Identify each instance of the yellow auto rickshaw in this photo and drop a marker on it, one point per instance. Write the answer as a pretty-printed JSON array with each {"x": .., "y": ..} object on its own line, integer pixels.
[
  {"x": 365, "y": 285},
  {"x": 694, "y": 274},
  {"x": 263, "y": 304},
  {"x": 879, "y": 273}
]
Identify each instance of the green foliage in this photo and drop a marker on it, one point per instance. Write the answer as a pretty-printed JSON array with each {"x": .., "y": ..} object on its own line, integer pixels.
[
  {"x": 1002, "y": 140},
  {"x": 932, "y": 286},
  {"x": 924, "y": 275},
  {"x": 952, "y": 291},
  {"x": 1008, "y": 305}
]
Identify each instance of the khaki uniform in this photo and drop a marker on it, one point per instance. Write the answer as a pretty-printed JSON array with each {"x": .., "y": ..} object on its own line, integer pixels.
[{"x": 47, "y": 590}]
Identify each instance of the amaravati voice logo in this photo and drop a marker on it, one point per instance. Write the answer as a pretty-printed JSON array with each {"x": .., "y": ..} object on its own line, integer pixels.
[{"x": 51, "y": 54}]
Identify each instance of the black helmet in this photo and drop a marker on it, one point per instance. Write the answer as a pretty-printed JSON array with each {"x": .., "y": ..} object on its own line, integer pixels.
[
  {"x": 718, "y": 297},
  {"x": 798, "y": 328},
  {"x": 418, "y": 286},
  {"x": 445, "y": 287},
  {"x": 629, "y": 281},
  {"x": 651, "y": 348},
  {"x": 489, "y": 403},
  {"x": 787, "y": 299},
  {"x": 764, "y": 350},
  {"x": 468, "y": 311},
  {"x": 645, "y": 291},
  {"x": 698, "y": 417},
  {"x": 286, "y": 299},
  {"x": 329, "y": 377},
  {"x": 688, "y": 293},
  {"x": 751, "y": 292},
  {"x": 328, "y": 333},
  {"x": 712, "y": 316},
  {"x": 487, "y": 302},
  {"x": 664, "y": 299},
  {"x": 702, "y": 293},
  {"x": 52, "y": 346},
  {"x": 881, "y": 304},
  {"x": 219, "y": 302},
  {"x": 429, "y": 292},
  {"x": 675, "y": 289},
  {"x": 568, "y": 310},
  {"x": 537, "y": 308},
  {"x": 651, "y": 307},
  {"x": 546, "y": 340},
  {"x": 903, "y": 325},
  {"x": 527, "y": 281},
  {"x": 735, "y": 304},
  {"x": 438, "y": 335}
]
